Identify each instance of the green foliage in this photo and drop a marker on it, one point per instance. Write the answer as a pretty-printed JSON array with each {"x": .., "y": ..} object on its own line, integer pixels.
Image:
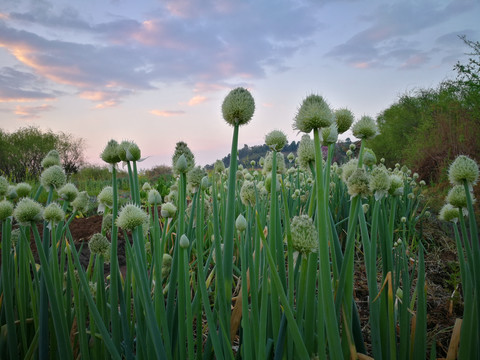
[
  {"x": 22, "y": 151},
  {"x": 427, "y": 128}
]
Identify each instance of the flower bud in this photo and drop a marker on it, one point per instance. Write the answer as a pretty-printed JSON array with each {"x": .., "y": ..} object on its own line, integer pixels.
[
  {"x": 166, "y": 265},
  {"x": 105, "y": 198},
  {"x": 81, "y": 202},
  {"x": 6, "y": 209},
  {"x": 329, "y": 135},
  {"x": 194, "y": 178},
  {"x": 219, "y": 166},
  {"x": 53, "y": 177},
  {"x": 107, "y": 223},
  {"x": 23, "y": 189},
  {"x": 358, "y": 183},
  {"x": 369, "y": 158},
  {"x": 380, "y": 182},
  {"x": 306, "y": 152},
  {"x": 110, "y": 153},
  {"x": 314, "y": 113},
  {"x": 449, "y": 213},
  {"x": 53, "y": 213},
  {"x": 276, "y": 140},
  {"x": 184, "y": 242},
  {"x": 365, "y": 128},
  {"x": 181, "y": 166},
  {"x": 247, "y": 193},
  {"x": 68, "y": 192},
  {"x": 304, "y": 234},
  {"x": 130, "y": 217},
  {"x": 463, "y": 169},
  {"x": 12, "y": 192},
  {"x": 241, "y": 223},
  {"x": 344, "y": 119},
  {"x": 457, "y": 197},
  {"x": 28, "y": 211},
  {"x": 52, "y": 158},
  {"x": 154, "y": 197},
  {"x": 238, "y": 107},
  {"x": 99, "y": 245},
  {"x": 168, "y": 210}
]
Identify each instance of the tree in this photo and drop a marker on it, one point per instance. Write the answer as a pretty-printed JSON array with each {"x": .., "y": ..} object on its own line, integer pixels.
[{"x": 23, "y": 151}]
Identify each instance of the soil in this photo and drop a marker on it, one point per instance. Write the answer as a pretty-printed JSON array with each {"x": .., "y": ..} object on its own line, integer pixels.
[{"x": 444, "y": 304}]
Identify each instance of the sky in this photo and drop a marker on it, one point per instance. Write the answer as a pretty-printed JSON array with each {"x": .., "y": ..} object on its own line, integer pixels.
[{"x": 156, "y": 72}]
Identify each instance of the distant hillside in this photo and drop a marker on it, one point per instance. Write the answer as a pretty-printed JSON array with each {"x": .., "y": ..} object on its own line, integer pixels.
[{"x": 255, "y": 152}]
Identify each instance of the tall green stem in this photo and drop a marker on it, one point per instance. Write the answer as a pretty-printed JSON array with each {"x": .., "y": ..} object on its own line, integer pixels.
[
  {"x": 326, "y": 291},
  {"x": 230, "y": 222}
]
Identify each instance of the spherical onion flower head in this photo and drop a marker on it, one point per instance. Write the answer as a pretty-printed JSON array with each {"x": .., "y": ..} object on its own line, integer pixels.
[
  {"x": 68, "y": 192},
  {"x": 365, "y": 128},
  {"x": 105, "y": 198},
  {"x": 28, "y": 211},
  {"x": 12, "y": 193},
  {"x": 304, "y": 234},
  {"x": 154, "y": 197},
  {"x": 358, "y": 184},
  {"x": 23, "y": 189},
  {"x": 268, "y": 182},
  {"x": 181, "y": 148},
  {"x": 53, "y": 213},
  {"x": 449, "y": 213},
  {"x": 52, "y": 158},
  {"x": 166, "y": 265},
  {"x": 238, "y": 107},
  {"x": 194, "y": 178},
  {"x": 330, "y": 135},
  {"x": 219, "y": 166},
  {"x": 348, "y": 168},
  {"x": 247, "y": 193},
  {"x": 276, "y": 140},
  {"x": 6, "y": 209},
  {"x": 396, "y": 185},
  {"x": 81, "y": 202},
  {"x": 306, "y": 152},
  {"x": 131, "y": 216},
  {"x": 110, "y": 153},
  {"x": 107, "y": 223},
  {"x": 380, "y": 182},
  {"x": 314, "y": 113},
  {"x": 53, "y": 177},
  {"x": 168, "y": 210},
  {"x": 463, "y": 169},
  {"x": 128, "y": 151},
  {"x": 268, "y": 164},
  {"x": 457, "y": 197},
  {"x": 344, "y": 119},
  {"x": 369, "y": 157},
  {"x": 3, "y": 186},
  {"x": 99, "y": 245}
]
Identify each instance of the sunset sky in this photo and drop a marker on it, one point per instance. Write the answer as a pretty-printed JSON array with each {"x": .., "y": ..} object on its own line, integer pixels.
[{"x": 156, "y": 72}]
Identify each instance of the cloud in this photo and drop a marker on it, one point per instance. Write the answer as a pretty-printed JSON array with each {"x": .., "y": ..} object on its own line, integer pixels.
[
  {"x": 167, "y": 113},
  {"x": 197, "y": 99},
  {"x": 194, "y": 42},
  {"x": 20, "y": 86},
  {"x": 385, "y": 41},
  {"x": 31, "y": 112}
]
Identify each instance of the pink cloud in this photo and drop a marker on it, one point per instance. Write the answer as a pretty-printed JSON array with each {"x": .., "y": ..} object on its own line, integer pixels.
[
  {"x": 167, "y": 113},
  {"x": 197, "y": 99},
  {"x": 31, "y": 112}
]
